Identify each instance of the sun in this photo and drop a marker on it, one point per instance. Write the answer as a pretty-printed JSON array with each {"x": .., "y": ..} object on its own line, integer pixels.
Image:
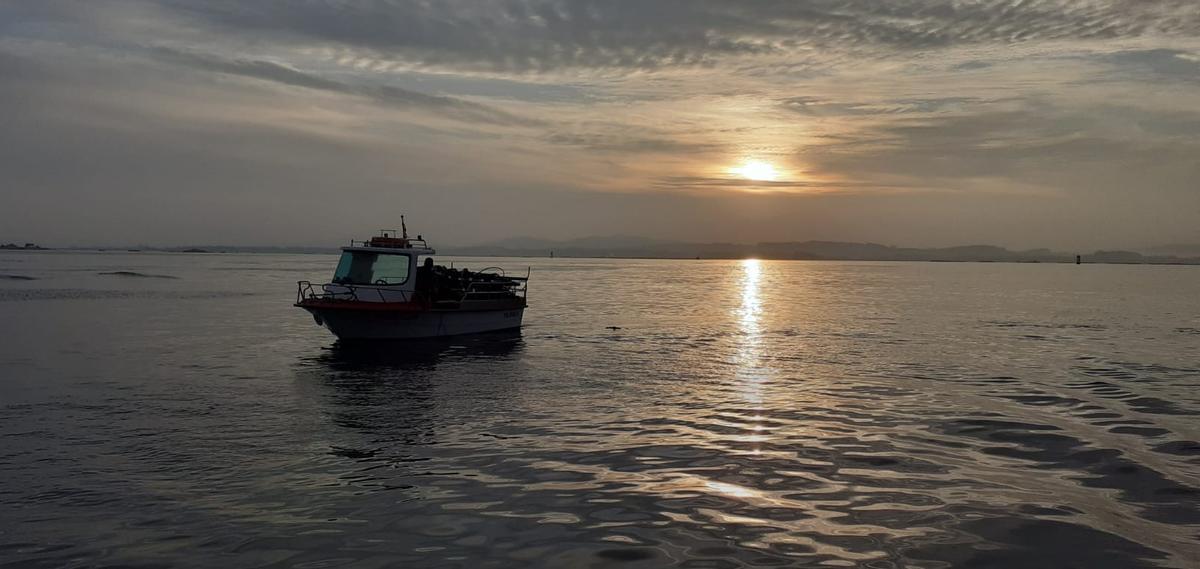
[{"x": 756, "y": 170}]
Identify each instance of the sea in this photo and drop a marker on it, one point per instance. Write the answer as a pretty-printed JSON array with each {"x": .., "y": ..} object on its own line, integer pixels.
[{"x": 175, "y": 410}]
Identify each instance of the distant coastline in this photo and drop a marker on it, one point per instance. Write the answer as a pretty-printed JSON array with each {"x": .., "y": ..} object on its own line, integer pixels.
[
  {"x": 642, "y": 248},
  {"x": 25, "y": 247},
  {"x": 639, "y": 248}
]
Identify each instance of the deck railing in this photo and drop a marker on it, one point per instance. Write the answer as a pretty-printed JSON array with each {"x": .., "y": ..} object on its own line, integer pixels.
[
  {"x": 486, "y": 290},
  {"x": 305, "y": 290},
  {"x": 408, "y": 243}
]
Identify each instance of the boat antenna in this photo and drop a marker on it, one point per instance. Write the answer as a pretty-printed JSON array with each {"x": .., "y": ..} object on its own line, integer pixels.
[{"x": 403, "y": 229}]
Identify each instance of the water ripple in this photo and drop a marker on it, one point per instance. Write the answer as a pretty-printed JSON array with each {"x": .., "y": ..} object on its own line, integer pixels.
[{"x": 756, "y": 415}]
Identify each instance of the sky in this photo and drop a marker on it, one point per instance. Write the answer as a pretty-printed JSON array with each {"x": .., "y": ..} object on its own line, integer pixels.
[{"x": 1069, "y": 124}]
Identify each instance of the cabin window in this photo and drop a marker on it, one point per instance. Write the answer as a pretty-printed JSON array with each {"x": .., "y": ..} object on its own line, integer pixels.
[{"x": 362, "y": 267}]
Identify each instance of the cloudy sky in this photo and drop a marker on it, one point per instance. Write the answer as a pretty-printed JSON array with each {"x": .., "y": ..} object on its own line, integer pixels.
[{"x": 1071, "y": 124}]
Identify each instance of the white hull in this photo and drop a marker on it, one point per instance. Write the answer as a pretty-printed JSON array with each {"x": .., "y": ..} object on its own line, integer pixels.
[{"x": 389, "y": 325}]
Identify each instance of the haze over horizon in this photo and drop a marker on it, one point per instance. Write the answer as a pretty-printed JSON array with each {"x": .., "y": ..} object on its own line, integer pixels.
[
  {"x": 926, "y": 123},
  {"x": 632, "y": 246}
]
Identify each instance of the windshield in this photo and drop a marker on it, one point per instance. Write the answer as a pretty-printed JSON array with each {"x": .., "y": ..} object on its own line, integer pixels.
[{"x": 362, "y": 267}]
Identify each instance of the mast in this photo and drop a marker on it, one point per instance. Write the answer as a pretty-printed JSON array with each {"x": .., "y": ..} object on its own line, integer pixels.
[{"x": 403, "y": 229}]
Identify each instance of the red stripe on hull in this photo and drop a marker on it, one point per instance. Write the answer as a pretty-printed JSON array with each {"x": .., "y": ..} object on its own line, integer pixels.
[{"x": 364, "y": 306}]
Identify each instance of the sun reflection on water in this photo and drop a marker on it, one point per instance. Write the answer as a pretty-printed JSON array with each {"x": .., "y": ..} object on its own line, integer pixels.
[{"x": 749, "y": 355}]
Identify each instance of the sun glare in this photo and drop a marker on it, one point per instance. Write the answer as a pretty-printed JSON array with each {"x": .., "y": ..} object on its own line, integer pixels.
[{"x": 756, "y": 170}]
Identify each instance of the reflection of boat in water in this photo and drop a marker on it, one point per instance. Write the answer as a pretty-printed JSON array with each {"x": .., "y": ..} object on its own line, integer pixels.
[
  {"x": 426, "y": 353},
  {"x": 388, "y": 404},
  {"x": 389, "y": 288}
]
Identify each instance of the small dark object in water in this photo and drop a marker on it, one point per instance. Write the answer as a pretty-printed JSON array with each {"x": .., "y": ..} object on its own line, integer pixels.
[
  {"x": 135, "y": 274},
  {"x": 626, "y": 554},
  {"x": 613, "y": 327}
]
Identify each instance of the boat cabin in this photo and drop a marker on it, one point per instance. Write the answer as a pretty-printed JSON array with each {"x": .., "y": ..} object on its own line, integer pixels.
[{"x": 384, "y": 260}]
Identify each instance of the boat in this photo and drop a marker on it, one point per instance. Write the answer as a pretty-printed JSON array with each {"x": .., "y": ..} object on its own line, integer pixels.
[{"x": 389, "y": 288}]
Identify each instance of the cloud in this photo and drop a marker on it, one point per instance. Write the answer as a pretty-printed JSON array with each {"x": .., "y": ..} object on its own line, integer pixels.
[
  {"x": 718, "y": 184},
  {"x": 931, "y": 110},
  {"x": 524, "y": 36},
  {"x": 814, "y": 106},
  {"x": 632, "y": 143},
  {"x": 1157, "y": 64},
  {"x": 1102, "y": 153},
  {"x": 386, "y": 94}
]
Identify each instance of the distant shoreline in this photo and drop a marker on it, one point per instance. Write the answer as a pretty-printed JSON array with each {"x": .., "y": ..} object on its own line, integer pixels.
[{"x": 459, "y": 253}]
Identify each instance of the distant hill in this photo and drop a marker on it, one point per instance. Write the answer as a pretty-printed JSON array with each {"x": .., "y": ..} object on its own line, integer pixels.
[
  {"x": 633, "y": 247},
  {"x": 216, "y": 249},
  {"x": 615, "y": 241},
  {"x": 638, "y": 247},
  {"x": 1173, "y": 250}
]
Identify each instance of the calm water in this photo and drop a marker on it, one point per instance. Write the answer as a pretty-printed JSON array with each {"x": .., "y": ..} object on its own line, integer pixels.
[{"x": 743, "y": 414}]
